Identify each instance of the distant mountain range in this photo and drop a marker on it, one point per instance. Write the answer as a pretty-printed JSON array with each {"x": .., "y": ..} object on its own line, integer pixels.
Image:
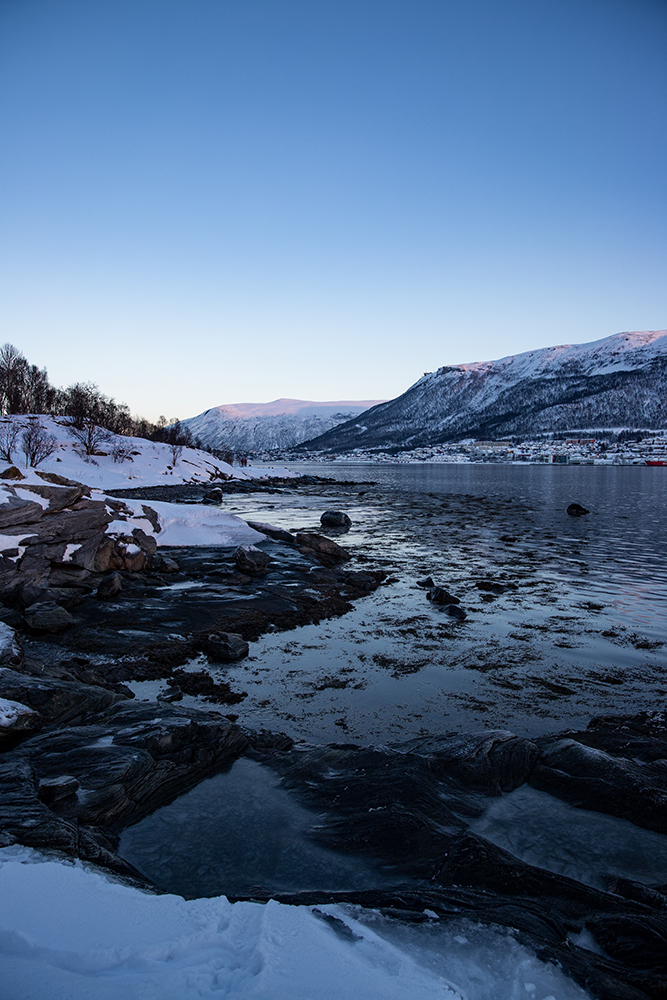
[
  {"x": 619, "y": 382},
  {"x": 279, "y": 425}
]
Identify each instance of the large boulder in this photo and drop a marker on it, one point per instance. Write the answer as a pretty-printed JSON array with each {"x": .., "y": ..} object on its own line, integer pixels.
[
  {"x": 335, "y": 519},
  {"x": 323, "y": 549},
  {"x": 251, "y": 561},
  {"x": 224, "y": 647}
]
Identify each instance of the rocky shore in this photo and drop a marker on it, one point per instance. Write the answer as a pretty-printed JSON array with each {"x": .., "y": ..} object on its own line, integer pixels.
[{"x": 91, "y": 606}]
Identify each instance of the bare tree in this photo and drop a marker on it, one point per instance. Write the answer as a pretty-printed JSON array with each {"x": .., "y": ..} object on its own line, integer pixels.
[
  {"x": 177, "y": 437},
  {"x": 9, "y": 432},
  {"x": 36, "y": 443}
]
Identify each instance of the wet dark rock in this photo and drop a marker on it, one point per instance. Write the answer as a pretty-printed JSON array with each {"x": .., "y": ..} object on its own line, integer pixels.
[
  {"x": 59, "y": 702},
  {"x": 576, "y": 510},
  {"x": 18, "y": 721},
  {"x": 110, "y": 586},
  {"x": 490, "y": 587},
  {"x": 169, "y": 565},
  {"x": 335, "y": 519},
  {"x": 46, "y": 616},
  {"x": 428, "y": 583},
  {"x": 213, "y": 496},
  {"x": 321, "y": 548},
  {"x": 440, "y": 596},
  {"x": 224, "y": 647},
  {"x": 492, "y": 762},
  {"x": 17, "y": 511},
  {"x": 200, "y": 682},
  {"x": 454, "y": 611},
  {"x": 54, "y": 789},
  {"x": 278, "y": 534},
  {"x": 591, "y": 771},
  {"x": 251, "y": 561}
]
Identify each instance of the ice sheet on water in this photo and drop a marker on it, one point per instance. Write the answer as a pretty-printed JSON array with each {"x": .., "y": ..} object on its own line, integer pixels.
[
  {"x": 581, "y": 844},
  {"x": 237, "y": 833}
]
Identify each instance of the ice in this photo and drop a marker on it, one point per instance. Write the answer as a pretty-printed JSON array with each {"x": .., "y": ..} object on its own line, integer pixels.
[
  {"x": 584, "y": 845},
  {"x": 72, "y": 934},
  {"x": 237, "y": 833}
]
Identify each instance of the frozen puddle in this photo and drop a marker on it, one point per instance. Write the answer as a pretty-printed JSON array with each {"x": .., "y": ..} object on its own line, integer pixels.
[
  {"x": 239, "y": 833},
  {"x": 583, "y": 845},
  {"x": 72, "y": 934}
]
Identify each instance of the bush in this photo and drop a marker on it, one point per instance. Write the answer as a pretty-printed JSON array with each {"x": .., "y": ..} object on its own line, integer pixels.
[{"x": 36, "y": 443}]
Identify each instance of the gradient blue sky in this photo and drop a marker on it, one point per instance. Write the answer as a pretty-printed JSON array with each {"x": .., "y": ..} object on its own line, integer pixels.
[{"x": 215, "y": 201}]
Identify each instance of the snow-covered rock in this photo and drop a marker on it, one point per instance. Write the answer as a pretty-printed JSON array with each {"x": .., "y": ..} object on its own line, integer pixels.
[
  {"x": 620, "y": 381},
  {"x": 283, "y": 423}
]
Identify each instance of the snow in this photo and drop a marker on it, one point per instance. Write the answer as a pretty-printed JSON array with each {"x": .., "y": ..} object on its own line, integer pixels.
[
  {"x": 68, "y": 933},
  {"x": 11, "y": 710},
  {"x": 69, "y": 552},
  {"x": 150, "y": 463},
  {"x": 188, "y": 524}
]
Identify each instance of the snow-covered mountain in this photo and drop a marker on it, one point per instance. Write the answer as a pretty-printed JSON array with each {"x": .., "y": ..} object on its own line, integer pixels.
[
  {"x": 283, "y": 423},
  {"x": 620, "y": 381}
]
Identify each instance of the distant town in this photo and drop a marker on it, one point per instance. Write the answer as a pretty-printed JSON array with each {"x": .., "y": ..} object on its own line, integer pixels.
[{"x": 627, "y": 448}]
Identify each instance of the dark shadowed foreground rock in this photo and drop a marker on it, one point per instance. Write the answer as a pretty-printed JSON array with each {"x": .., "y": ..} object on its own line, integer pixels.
[
  {"x": 576, "y": 510},
  {"x": 46, "y": 616},
  {"x": 224, "y": 647},
  {"x": 251, "y": 560}
]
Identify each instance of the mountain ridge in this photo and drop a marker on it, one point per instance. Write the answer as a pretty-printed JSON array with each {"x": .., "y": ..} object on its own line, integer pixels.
[{"x": 619, "y": 380}]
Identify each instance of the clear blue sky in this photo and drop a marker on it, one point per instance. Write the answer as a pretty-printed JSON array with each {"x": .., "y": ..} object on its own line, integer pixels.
[{"x": 215, "y": 201}]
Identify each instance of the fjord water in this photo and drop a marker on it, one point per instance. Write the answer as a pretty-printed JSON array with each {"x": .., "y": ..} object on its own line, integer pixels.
[{"x": 576, "y": 628}]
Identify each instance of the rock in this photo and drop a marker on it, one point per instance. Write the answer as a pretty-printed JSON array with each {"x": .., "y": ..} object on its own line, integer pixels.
[
  {"x": 491, "y": 762},
  {"x": 16, "y": 719},
  {"x": 134, "y": 559},
  {"x": 146, "y": 543},
  {"x": 10, "y": 651},
  {"x": 17, "y": 511},
  {"x": 335, "y": 519},
  {"x": 109, "y": 587},
  {"x": 427, "y": 583},
  {"x": 225, "y": 647},
  {"x": 576, "y": 510},
  {"x": 215, "y": 496},
  {"x": 54, "y": 789},
  {"x": 324, "y": 550},
  {"x": 251, "y": 561},
  {"x": 440, "y": 596},
  {"x": 11, "y": 473},
  {"x": 200, "y": 682},
  {"x": 152, "y": 516},
  {"x": 59, "y": 497},
  {"x": 108, "y": 556},
  {"x": 46, "y": 616},
  {"x": 277, "y": 534},
  {"x": 169, "y": 565},
  {"x": 454, "y": 611},
  {"x": 53, "y": 477},
  {"x": 490, "y": 587},
  {"x": 58, "y": 702}
]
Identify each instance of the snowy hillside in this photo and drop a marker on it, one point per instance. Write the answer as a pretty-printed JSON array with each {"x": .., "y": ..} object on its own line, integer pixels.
[
  {"x": 120, "y": 461},
  {"x": 259, "y": 427},
  {"x": 620, "y": 381}
]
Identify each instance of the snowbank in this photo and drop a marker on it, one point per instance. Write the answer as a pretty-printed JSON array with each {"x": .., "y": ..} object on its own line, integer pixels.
[
  {"x": 71, "y": 934},
  {"x": 188, "y": 524},
  {"x": 147, "y": 463}
]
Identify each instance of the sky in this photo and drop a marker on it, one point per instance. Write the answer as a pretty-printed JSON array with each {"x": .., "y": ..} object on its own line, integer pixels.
[{"x": 220, "y": 201}]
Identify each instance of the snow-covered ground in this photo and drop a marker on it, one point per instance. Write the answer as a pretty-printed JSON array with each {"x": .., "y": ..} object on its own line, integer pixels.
[
  {"x": 187, "y": 524},
  {"x": 145, "y": 463},
  {"x": 68, "y": 933}
]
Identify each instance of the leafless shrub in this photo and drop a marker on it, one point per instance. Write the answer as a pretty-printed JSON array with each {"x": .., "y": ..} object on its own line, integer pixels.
[
  {"x": 9, "y": 432},
  {"x": 36, "y": 443},
  {"x": 122, "y": 453}
]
